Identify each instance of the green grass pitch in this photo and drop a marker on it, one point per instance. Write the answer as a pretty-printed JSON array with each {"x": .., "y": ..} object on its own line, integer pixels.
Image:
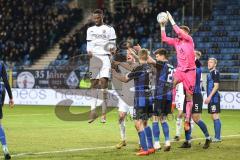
[{"x": 34, "y": 132}]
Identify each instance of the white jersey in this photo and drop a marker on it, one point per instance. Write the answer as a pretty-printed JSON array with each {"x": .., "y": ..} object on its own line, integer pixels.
[{"x": 100, "y": 39}]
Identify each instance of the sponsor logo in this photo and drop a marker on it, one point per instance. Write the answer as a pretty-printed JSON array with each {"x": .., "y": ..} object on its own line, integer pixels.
[
  {"x": 25, "y": 80},
  {"x": 72, "y": 80}
]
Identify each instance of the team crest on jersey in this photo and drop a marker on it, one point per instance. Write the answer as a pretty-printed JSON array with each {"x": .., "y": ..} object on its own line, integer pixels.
[
  {"x": 213, "y": 108},
  {"x": 104, "y": 31}
]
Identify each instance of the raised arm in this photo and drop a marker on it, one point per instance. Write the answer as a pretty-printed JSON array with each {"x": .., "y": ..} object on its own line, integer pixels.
[
  {"x": 177, "y": 30},
  {"x": 165, "y": 39}
]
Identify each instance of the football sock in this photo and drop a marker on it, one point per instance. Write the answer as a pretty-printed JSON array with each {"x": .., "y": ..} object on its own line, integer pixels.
[
  {"x": 156, "y": 131},
  {"x": 217, "y": 128},
  {"x": 148, "y": 133},
  {"x": 165, "y": 131}
]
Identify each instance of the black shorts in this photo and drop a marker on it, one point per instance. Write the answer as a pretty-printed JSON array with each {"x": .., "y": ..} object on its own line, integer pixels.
[
  {"x": 2, "y": 98},
  {"x": 214, "y": 108},
  {"x": 162, "y": 107},
  {"x": 142, "y": 113},
  {"x": 197, "y": 103}
]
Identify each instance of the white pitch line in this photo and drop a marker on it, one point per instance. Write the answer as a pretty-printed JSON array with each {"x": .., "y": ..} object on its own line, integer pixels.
[
  {"x": 19, "y": 115},
  {"x": 61, "y": 151},
  {"x": 96, "y": 148}
]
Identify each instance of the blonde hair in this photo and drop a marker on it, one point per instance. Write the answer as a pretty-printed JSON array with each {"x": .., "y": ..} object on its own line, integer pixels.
[
  {"x": 198, "y": 53},
  {"x": 143, "y": 54},
  {"x": 213, "y": 59}
]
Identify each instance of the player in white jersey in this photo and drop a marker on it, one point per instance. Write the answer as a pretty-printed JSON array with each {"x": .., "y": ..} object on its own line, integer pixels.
[
  {"x": 125, "y": 101},
  {"x": 179, "y": 101},
  {"x": 100, "y": 44}
]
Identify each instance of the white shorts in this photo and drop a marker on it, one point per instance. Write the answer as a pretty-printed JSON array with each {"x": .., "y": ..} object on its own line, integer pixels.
[
  {"x": 124, "y": 107},
  {"x": 100, "y": 66},
  {"x": 179, "y": 100}
]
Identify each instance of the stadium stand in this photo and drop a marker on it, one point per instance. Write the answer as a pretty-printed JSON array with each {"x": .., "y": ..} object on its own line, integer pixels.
[
  {"x": 29, "y": 28},
  {"x": 216, "y": 34},
  {"x": 219, "y": 37}
]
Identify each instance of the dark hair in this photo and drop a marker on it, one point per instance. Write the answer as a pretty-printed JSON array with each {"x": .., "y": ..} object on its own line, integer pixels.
[
  {"x": 161, "y": 51},
  {"x": 186, "y": 28},
  {"x": 98, "y": 11}
]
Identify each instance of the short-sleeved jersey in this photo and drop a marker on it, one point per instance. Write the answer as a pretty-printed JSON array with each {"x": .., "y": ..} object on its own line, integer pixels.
[
  {"x": 163, "y": 81},
  {"x": 213, "y": 77},
  {"x": 101, "y": 38},
  {"x": 142, "y": 95},
  {"x": 198, "y": 87}
]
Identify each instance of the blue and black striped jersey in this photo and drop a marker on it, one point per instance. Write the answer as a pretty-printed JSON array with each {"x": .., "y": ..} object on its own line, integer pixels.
[
  {"x": 197, "y": 88},
  {"x": 213, "y": 77},
  {"x": 164, "y": 81},
  {"x": 140, "y": 75}
]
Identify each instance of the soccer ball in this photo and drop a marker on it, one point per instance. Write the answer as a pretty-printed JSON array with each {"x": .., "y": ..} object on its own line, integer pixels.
[{"x": 162, "y": 17}]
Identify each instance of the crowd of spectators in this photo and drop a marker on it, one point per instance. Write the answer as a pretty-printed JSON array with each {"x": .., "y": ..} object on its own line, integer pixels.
[
  {"x": 29, "y": 27},
  {"x": 136, "y": 24}
]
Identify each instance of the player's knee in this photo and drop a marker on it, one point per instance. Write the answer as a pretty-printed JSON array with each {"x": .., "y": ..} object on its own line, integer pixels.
[
  {"x": 196, "y": 117},
  {"x": 121, "y": 116},
  {"x": 138, "y": 126},
  {"x": 121, "y": 119},
  {"x": 145, "y": 123},
  {"x": 180, "y": 115},
  {"x": 163, "y": 119},
  {"x": 215, "y": 116},
  {"x": 104, "y": 93}
]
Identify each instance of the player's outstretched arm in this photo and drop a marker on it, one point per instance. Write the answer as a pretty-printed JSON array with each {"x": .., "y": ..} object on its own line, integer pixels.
[
  {"x": 123, "y": 64},
  {"x": 120, "y": 77},
  {"x": 8, "y": 88},
  {"x": 177, "y": 30},
  {"x": 126, "y": 66},
  {"x": 150, "y": 60},
  {"x": 165, "y": 39}
]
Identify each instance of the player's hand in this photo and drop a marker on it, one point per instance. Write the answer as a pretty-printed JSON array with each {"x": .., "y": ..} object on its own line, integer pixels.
[
  {"x": 90, "y": 55},
  {"x": 162, "y": 24},
  {"x": 207, "y": 101},
  {"x": 11, "y": 103},
  {"x": 137, "y": 47},
  {"x": 170, "y": 18}
]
